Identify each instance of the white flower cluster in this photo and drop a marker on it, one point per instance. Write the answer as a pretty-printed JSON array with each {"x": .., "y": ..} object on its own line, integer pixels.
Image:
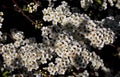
[
  {"x": 60, "y": 43},
  {"x": 20, "y": 49},
  {"x": 1, "y": 20},
  {"x": 69, "y": 52},
  {"x": 101, "y": 34},
  {"x": 105, "y": 4},
  {"x": 28, "y": 51},
  {"x": 80, "y": 24},
  {"x": 117, "y": 3},
  {"x": 64, "y": 43},
  {"x": 57, "y": 15},
  {"x": 8, "y": 53},
  {"x": 96, "y": 61},
  {"x": 32, "y": 7},
  {"x": 86, "y": 3},
  {"x": 69, "y": 36}
]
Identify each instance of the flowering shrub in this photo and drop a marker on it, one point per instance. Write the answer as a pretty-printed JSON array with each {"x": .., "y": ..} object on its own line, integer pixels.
[{"x": 70, "y": 42}]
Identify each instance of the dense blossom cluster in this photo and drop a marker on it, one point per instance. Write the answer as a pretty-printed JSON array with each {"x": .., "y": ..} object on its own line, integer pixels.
[
  {"x": 68, "y": 52},
  {"x": 79, "y": 27},
  {"x": 80, "y": 24},
  {"x": 104, "y": 3},
  {"x": 23, "y": 53},
  {"x": 87, "y": 3},
  {"x": 65, "y": 44},
  {"x": 101, "y": 34}
]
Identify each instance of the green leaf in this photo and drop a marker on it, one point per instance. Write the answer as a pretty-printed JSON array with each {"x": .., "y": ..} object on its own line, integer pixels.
[
  {"x": 25, "y": 8},
  {"x": 99, "y": 1},
  {"x": 5, "y": 74}
]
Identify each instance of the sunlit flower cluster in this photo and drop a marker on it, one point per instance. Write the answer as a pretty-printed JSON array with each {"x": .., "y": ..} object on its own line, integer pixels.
[
  {"x": 80, "y": 24},
  {"x": 32, "y": 7},
  {"x": 69, "y": 52},
  {"x": 23, "y": 53},
  {"x": 69, "y": 38},
  {"x": 66, "y": 41},
  {"x": 65, "y": 51},
  {"x": 101, "y": 34},
  {"x": 57, "y": 15}
]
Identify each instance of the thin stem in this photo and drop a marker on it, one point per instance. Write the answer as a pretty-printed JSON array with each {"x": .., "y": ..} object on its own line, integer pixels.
[
  {"x": 21, "y": 11},
  {"x": 27, "y": 17}
]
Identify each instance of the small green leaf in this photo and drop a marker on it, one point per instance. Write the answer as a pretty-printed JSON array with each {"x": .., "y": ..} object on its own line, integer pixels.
[
  {"x": 99, "y": 1},
  {"x": 5, "y": 74},
  {"x": 25, "y": 8}
]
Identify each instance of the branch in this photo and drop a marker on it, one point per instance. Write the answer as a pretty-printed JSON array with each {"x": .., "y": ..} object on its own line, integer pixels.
[{"x": 21, "y": 11}]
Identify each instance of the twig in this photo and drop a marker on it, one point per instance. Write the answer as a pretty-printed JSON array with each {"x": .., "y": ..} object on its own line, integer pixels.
[{"x": 21, "y": 11}]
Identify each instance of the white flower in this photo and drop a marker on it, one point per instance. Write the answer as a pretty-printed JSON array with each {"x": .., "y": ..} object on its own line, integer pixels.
[
  {"x": 49, "y": 9},
  {"x": 58, "y": 60},
  {"x": 65, "y": 21},
  {"x": 54, "y": 22},
  {"x": 17, "y": 44},
  {"x": 43, "y": 60},
  {"x": 51, "y": 70},
  {"x": 36, "y": 6},
  {"x": 59, "y": 11},
  {"x": 45, "y": 31},
  {"x": 76, "y": 23},
  {"x": 59, "y": 65},
  {"x": 44, "y": 11},
  {"x": 14, "y": 55},
  {"x": 35, "y": 65},
  {"x": 104, "y": 5},
  {"x": 111, "y": 2},
  {"x": 29, "y": 68},
  {"x": 65, "y": 54},
  {"x": 64, "y": 3},
  {"x": 51, "y": 64},
  {"x": 47, "y": 18},
  {"x": 61, "y": 71},
  {"x": 7, "y": 58}
]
